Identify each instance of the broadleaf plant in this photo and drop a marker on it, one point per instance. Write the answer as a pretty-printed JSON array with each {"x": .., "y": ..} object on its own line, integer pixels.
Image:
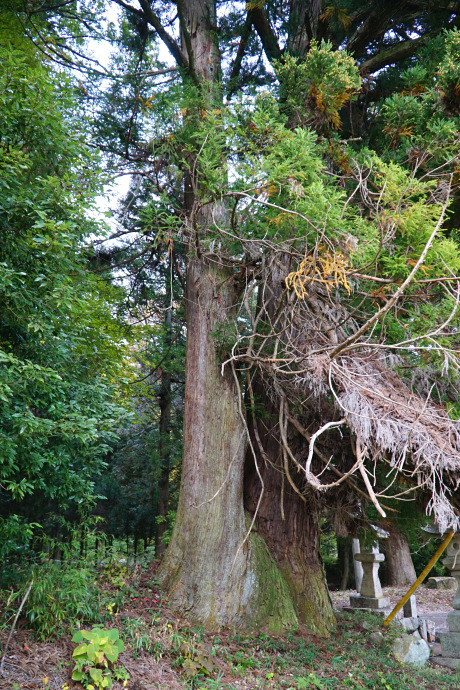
[{"x": 95, "y": 658}]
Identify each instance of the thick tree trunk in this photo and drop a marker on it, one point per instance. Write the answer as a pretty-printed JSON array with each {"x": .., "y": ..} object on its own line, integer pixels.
[
  {"x": 290, "y": 528},
  {"x": 213, "y": 570},
  {"x": 288, "y": 522},
  {"x": 299, "y": 34},
  {"x": 208, "y": 569},
  {"x": 211, "y": 573},
  {"x": 399, "y": 567}
]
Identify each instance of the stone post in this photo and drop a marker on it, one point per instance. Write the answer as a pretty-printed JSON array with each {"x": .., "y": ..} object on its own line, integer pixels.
[{"x": 356, "y": 548}]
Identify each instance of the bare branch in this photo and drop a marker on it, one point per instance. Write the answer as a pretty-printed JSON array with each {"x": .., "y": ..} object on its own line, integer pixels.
[
  {"x": 321, "y": 430},
  {"x": 360, "y": 454},
  {"x": 155, "y": 21}
]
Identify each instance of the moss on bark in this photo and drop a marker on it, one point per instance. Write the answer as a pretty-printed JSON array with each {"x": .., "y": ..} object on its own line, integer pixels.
[
  {"x": 274, "y": 607},
  {"x": 311, "y": 600}
]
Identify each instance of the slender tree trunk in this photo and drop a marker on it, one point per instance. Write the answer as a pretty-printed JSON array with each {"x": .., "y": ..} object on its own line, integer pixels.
[
  {"x": 165, "y": 447},
  {"x": 399, "y": 567},
  {"x": 343, "y": 553}
]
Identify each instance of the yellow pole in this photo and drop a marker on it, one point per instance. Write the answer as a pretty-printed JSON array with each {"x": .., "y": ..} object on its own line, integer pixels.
[{"x": 420, "y": 578}]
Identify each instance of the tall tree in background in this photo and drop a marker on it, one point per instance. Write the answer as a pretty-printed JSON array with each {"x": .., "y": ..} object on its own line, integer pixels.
[
  {"x": 399, "y": 566},
  {"x": 144, "y": 470}
]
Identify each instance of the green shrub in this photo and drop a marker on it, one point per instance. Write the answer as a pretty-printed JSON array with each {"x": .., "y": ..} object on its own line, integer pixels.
[
  {"x": 95, "y": 657},
  {"x": 61, "y": 594}
]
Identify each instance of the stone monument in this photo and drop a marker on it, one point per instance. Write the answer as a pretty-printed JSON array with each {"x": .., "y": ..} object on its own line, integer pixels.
[{"x": 371, "y": 594}]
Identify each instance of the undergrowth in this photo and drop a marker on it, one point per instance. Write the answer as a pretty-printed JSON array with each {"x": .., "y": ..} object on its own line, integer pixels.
[{"x": 126, "y": 598}]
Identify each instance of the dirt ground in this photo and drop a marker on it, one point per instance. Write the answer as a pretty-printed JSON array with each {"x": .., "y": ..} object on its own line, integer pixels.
[
  {"x": 428, "y": 600},
  {"x": 32, "y": 665}
]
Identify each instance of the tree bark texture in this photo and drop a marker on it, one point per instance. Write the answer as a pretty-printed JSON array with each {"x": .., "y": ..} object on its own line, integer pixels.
[
  {"x": 399, "y": 566},
  {"x": 343, "y": 557},
  {"x": 164, "y": 453},
  {"x": 288, "y": 522},
  {"x": 213, "y": 569},
  {"x": 289, "y": 526},
  {"x": 199, "y": 565},
  {"x": 211, "y": 573}
]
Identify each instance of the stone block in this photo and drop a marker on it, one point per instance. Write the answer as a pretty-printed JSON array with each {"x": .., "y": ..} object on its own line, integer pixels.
[
  {"x": 442, "y": 583},
  {"x": 446, "y": 662},
  {"x": 450, "y": 644},
  {"x": 380, "y": 612},
  {"x": 430, "y": 631},
  {"x": 453, "y": 621},
  {"x": 410, "y": 607},
  {"x": 423, "y": 629},
  {"x": 410, "y": 625},
  {"x": 357, "y": 601},
  {"x": 435, "y": 649},
  {"x": 410, "y": 650},
  {"x": 377, "y": 638}
]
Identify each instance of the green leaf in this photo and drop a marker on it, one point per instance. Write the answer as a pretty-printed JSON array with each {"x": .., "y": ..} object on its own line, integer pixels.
[
  {"x": 110, "y": 652},
  {"x": 92, "y": 651},
  {"x": 96, "y": 674},
  {"x": 81, "y": 650}
]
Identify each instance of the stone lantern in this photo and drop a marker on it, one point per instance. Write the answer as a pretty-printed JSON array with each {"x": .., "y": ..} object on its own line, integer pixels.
[
  {"x": 450, "y": 641},
  {"x": 371, "y": 594}
]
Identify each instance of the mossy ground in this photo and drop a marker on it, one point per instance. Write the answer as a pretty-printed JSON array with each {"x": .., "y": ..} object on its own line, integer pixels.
[{"x": 166, "y": 652}]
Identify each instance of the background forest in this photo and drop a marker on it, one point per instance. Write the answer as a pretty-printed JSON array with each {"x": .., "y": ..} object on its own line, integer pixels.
[{"x": 253, "y": 356}]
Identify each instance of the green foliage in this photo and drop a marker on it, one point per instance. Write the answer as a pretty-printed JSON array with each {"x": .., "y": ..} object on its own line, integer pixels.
[
  {"x": 60, "y": 347},
  {"x": 95, "y": 658},
  {"x": 419, "y": 120},
  {"x": 62, "y": 593},
  {"x": 196, "y": 660},
  {"x": 16, "y": 541},
  {"x": 449, "y": 72},
  {"x": 276, "y": 183},
  {"x": 143, "y": 637},
  {"x": 277, "y": 188},
  {"x": 317, "y": 88}
]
